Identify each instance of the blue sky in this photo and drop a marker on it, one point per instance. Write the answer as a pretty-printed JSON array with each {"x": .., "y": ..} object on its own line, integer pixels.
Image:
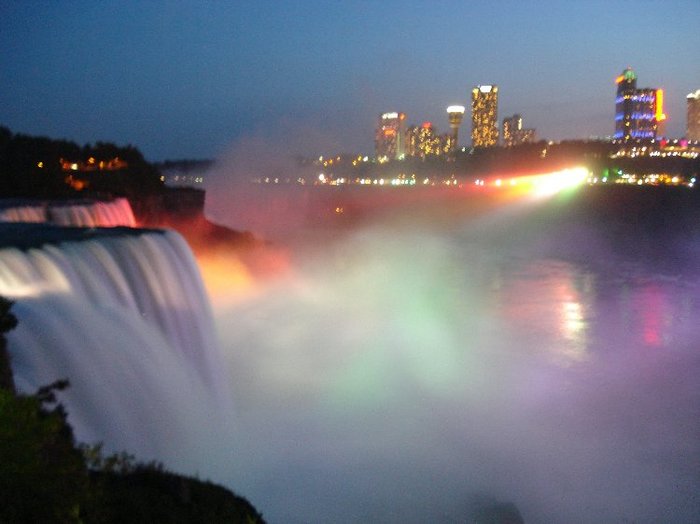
[{"x": 189, "y": 79}]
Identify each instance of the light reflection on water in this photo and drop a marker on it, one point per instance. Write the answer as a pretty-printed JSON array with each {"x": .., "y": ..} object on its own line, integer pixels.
[{"x": 402, "y": 373}]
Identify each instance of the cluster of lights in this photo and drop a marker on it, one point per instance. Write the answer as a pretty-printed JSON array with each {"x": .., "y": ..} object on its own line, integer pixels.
[
  {"x": 662, "y": 149},
  {"x": 401, "y": 180},
  {"x": 484, "y": 108},
  {"x": 539, "y": 185},
  {"x": 190, "y": 179},
  {"x": 655, "y": 179},
  {"x": 92, "y": 164},
  {"x": 682, "y": 154}
]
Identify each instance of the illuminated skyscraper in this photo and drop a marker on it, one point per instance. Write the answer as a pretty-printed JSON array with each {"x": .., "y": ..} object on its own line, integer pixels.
[
  {"x": 638, "y": 112},
  {"x": 455, "y": 116},
  {"x": 485, "y": 116},
  {"x": 390, "y": 137},
  {"x": 514, "y": 133},
  {"x": 693, "y": 130},
  {"x": 422, "y": 140}
]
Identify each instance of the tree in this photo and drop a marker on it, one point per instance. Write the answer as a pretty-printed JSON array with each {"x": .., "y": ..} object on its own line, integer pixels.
[
  {"x": 43, "y": 477},
  {"x": 7, "y": 322}
]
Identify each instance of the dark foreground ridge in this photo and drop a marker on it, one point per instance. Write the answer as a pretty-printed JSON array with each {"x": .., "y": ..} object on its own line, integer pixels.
[{"x": 151, "y": 495}]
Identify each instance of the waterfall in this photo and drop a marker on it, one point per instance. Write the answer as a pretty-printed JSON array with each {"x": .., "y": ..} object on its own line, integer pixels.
[
  {"x": 123, "y": 315},
  {"x": 88, "y": 213},
  {"x": 96, "y": 214},
  {"x": 23, "y": 213}
]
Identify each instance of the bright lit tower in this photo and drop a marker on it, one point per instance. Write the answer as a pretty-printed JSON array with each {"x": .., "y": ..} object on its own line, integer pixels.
[
  {"x": 455, "y": 115},
  {"x": 485, "y": 116},
  {"x": 638, "y": 112},
  {"x": 390, "y": 136},
  {"x": 693, "y": 130}
]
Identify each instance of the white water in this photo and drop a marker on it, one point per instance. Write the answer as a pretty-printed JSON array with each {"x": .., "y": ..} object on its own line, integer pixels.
[
  {"x": 90, "y": 214},
  {"x": 389, "y": 377},
  {"x": 125, "y": 319},
  {"x": 23, "y": 213},
  {"x": 401, "y": 372},
  {"x": 97, "y": 214}
]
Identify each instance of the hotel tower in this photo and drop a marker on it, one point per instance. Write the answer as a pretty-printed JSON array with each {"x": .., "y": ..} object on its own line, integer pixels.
[{"x": 485, "y": 116}]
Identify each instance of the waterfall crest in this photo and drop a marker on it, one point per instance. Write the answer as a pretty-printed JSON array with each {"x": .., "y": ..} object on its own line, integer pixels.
[
  {"x": 112, "y": 213},
  {"x": 125, "y": 318}
]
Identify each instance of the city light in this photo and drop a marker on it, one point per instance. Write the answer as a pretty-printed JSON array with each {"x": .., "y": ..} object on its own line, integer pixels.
[
  {"x": 538, "y": 185},
  {"x": 660, "y": 116}
]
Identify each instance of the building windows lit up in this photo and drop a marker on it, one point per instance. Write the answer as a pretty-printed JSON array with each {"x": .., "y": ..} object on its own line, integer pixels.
[
  {"x": 423, "y": 141},
  {"x": 514, "y": 133},
  {"x": 638, "y": 112},
  {"x": 693, "y": 129},
  {"x": 390, "y": 137},
  {"x": 485, "y": 116}
]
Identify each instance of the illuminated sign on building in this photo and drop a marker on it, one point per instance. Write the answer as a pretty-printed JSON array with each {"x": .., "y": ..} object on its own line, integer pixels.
[{"x": 485, "y": 116}]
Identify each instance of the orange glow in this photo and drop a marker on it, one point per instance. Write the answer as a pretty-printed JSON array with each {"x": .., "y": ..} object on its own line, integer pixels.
[
  {"x": 660, "y": 105},
  {"x": 389, "y": 132},
  {"x": 226, "y": 278},
  {"x": 619, "y": 79},
  {"x": 75, "y": 183}
]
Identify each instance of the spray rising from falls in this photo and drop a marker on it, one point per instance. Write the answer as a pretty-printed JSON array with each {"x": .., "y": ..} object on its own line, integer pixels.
[
  {"x": 79, "y": 214},
  {"x": 122, "y": 314}
]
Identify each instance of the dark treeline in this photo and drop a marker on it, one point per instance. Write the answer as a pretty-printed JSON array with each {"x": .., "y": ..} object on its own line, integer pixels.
[{"x": 40, "y": 167}]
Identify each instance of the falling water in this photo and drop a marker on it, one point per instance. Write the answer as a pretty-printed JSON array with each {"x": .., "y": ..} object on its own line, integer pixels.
[
  {"x": 112, "y": 213},
  {"x": 35, "y": 213},
  {"x": 390, "y": 375},
  {"x": 124, "y": 317}
]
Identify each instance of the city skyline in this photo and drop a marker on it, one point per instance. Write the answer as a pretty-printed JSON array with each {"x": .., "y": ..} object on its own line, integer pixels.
[{"x": 188, "y": 80}]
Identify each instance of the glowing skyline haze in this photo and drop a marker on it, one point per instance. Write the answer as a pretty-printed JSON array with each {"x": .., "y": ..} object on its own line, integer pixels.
[{"x": 187, "y": 79}]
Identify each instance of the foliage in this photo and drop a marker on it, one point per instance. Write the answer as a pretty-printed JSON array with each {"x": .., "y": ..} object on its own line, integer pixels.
[
  {"x": 32, "y": 166},
  {"x": 43, "y": 477},
  {"x": 149, "y": 494},
  {"x": 7, "y": 322},
  {"x": 7, "y": 319}
]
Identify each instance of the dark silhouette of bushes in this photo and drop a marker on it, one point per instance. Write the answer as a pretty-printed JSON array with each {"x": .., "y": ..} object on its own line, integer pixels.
[{"x": 34, "y": 167}]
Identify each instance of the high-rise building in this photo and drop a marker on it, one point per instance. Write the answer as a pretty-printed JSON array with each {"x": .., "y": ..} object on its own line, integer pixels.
[
  {"x": 422, "y": 140},
  {"x": 390, "y": 136},
  {"x": 638, "y": 112},
  {"x": 693, "y": 129},
  {"x": 514, "y": 133},
  {"x": 485, "y": 116},
  {"x": 455, "y": 115}
]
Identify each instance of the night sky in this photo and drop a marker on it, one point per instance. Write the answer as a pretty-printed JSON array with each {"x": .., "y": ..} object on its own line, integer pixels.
[{"x": 189, "y": 79}]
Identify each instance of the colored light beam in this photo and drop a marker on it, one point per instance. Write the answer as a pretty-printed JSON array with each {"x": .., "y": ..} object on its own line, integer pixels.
[{"x": 538, "y": 185}]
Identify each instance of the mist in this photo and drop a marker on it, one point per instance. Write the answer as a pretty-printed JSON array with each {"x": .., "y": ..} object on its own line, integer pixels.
[{"x": 401, "y": 367}]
